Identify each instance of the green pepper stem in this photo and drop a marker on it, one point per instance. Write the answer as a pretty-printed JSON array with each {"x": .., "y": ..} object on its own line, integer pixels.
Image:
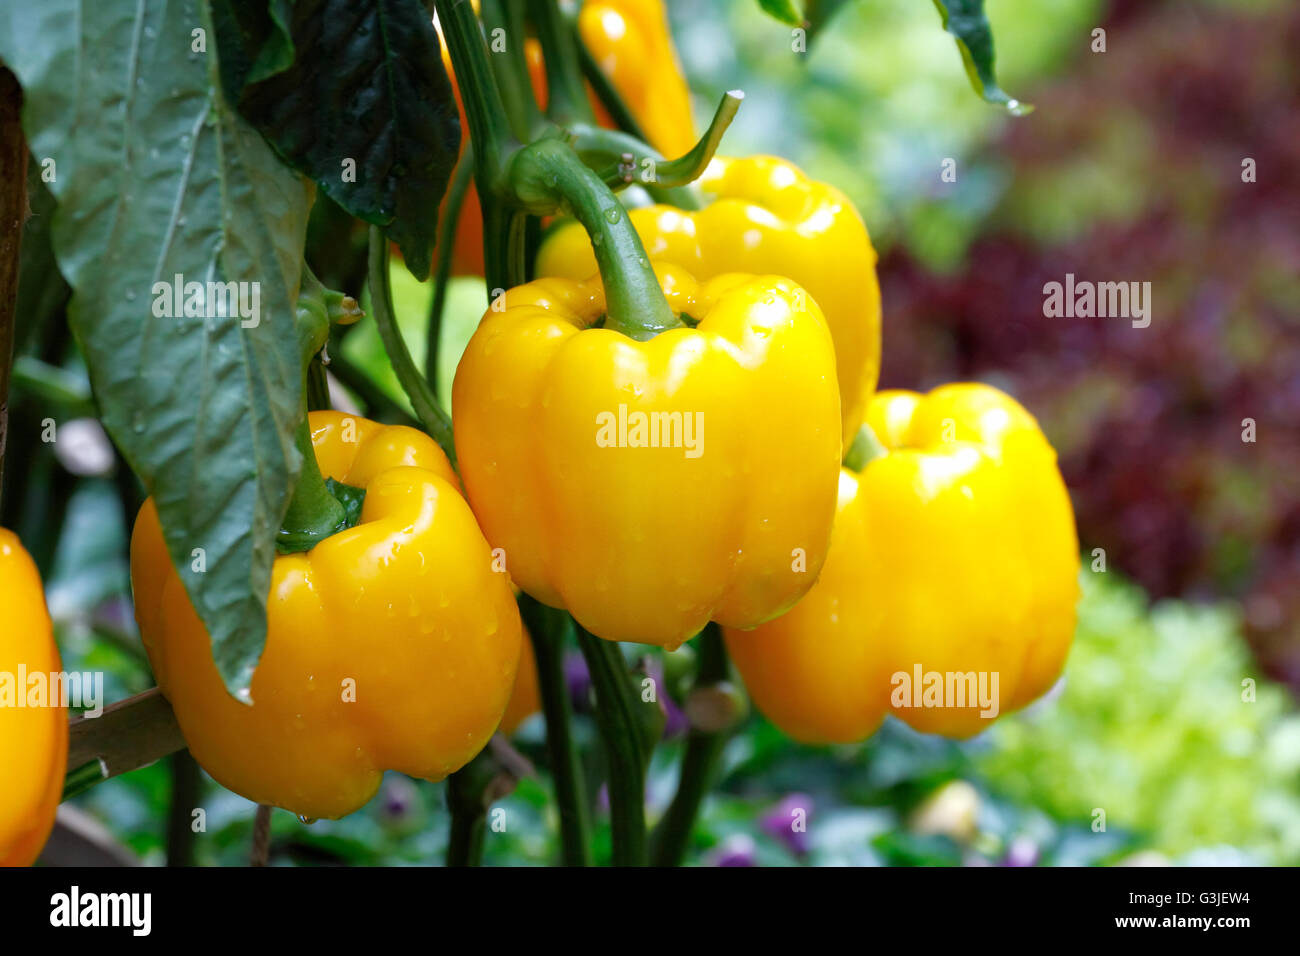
[
  {"x": 688, "y": 168},
  {"x": 314, "y": 514},
  {"x": 566, "y": 98},
  {"x": 865, "y": 448},
  {"x": 547, "y": 628},
  {"x": 484, "y": 108},
  {"x": 511, "y": 69},
  {"x": 468, "y": 819},
  {"x": 626, "y": 751},
  {"x": 425, "y": 403},
  {"x": 455, "y": 204},
  {"x": 608, "y": 150},
  {"x": 548, "y": 175},
  {"x": 673, "y": 833}
]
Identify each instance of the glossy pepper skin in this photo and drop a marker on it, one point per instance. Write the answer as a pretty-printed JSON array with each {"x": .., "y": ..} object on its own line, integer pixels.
[
  {"x": 402, "y": 613},
  {"x": 33, "y": 739},
  {"x": 955, "y": 551},
  {"x": 630, "y": 41},
  {"x": 643, "y": 543},
  {"x": 526, "y": 697},
  {"x": 765, "y": 216}
]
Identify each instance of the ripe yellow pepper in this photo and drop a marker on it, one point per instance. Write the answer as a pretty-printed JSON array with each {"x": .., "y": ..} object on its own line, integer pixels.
[
  {"x": 765, "y": 216},
  {"x": 33, "y": 734},
  {"x": 526, "y": 698},
  {"x": 954, "y": 552},
  {"x": 390, "y": 646},
  {"x": 631, "y": 43},
  {"x": 650, "y": 486}
]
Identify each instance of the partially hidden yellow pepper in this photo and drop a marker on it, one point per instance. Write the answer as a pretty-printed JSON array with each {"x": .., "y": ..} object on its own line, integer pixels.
[
  {"x": 650, "y": 486},
  {"x": 33, "y": 729},
  {"x": 631, "y": 43},
  {"x": 391, "y": 645},
  {"x": 526, "y": 697},
  {"x": 765, "y": 216},
  {"x": 952, "y": 576}
]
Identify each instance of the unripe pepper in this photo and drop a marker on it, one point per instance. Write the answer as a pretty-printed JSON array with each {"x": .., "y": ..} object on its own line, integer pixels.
[
  {"x": 391, "y": 645},
  {"x": 631, "y": 43},
  {"x": 33, "y": 732},
  {"x": 645, "y": 528},
  {"x": 765, "y": 216},
  {"x": 953, "y": 553}
]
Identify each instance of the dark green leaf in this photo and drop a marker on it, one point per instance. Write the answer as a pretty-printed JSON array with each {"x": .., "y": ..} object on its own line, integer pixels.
[
  {"x": 157, "y": 177},
  {"x": 365, "y": 108},
  {"x": 820, "y": 13},
  {"x": 787, "y": 11},
  {"x": 966, "y": 21}
]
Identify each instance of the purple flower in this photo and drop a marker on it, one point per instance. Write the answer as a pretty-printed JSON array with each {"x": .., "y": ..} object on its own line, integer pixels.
[
  {"x": 788, "y": 822},
  {"x": 737, "y": 850}
]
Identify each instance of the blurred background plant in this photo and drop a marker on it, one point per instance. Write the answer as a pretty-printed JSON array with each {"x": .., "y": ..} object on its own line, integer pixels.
[{"x": 1173, "y": 728}]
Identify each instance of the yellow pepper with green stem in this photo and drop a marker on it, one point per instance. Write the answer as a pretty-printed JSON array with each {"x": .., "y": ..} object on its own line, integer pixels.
[
  {"x": 765, "y": 216},
  {"x": 952, "y": 576},
  {"x": 649, "y": 486},
  {"x": 391, "y": 645}
]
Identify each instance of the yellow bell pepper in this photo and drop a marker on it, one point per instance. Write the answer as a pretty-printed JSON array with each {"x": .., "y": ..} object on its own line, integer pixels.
[
  {"x": 631, "y": 43},
  {"x": 33, "y": 732},
  {"x": 391, "y": 645},
  {"x": 765, "y": 216},
  {"x": 526, "y": 698},
  {"x": 650, "y": 486},
  {"x": 954, "y": 553}
]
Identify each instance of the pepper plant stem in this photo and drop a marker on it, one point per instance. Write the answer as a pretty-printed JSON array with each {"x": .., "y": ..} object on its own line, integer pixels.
[
  {"x": 547, "y": 174},
  {"x": 626, "y": 751},
  {"x": 547, "y": 628},
  {"x": 468, "y": 822},
  {"x": 446, "y": 249},
  {"x": 314, "y": 514},
  {"x": 673, "y": 833},
  {"x": 425, "y": 403},
  {"x": 484, "y": 108},
  {"x": 566, "y": 96}
]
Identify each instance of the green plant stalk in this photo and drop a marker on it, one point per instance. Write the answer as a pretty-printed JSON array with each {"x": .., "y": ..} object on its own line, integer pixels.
[
  {"x": 185, "y": 796},
  {"x": 608, "y": 96},
  {"x": 547, "y": 627},
  {"x": 548, "y": 175},
  {"x": 699, "y": 762},
  {"x": 468, "y": 819},
  {"x": 511, "y": 66},
  {"x": 606, "y": 149},
  {"x": 314, "y": 514},
  {"x": 626, "y": 751},
  {"x": 426, "y": 406},
  {"x": 484, "y": 109},
  {"x": 865, "y": 448},
  {"x": 566, "y": 99},
  {"x": 446, "y": 251},
  {"x": 688, "y": 168}
]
